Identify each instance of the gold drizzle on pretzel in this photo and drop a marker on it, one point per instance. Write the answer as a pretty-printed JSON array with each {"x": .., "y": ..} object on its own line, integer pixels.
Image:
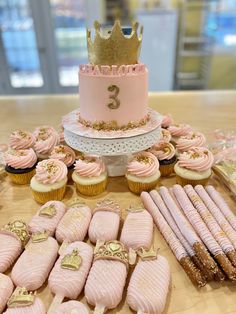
[
  {"x": 112, "y": 250},
  {"x": 21, "y": 298},
  {"x": 18, "y": 228}
]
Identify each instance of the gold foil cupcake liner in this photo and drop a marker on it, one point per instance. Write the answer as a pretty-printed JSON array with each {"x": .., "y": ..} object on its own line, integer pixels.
[
  {"x": 92, "y": 189},
  {"x": 166, "y": 170},
  {"x": 54, "y": 195},
  {"x": 139, "y": 187},
  {"x": 21, "y": 178},
  {"x": 183, "y": 181}
]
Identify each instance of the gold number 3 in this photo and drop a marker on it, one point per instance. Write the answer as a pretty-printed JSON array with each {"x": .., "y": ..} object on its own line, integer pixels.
[{"x": 115, "y": 101}]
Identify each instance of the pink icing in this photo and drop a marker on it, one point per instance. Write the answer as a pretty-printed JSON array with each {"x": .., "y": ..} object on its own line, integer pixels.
[
  {"x": 89, "y": 166},
  {"x": 6, "y": 289},
  {"x": 132, "y": 93},
  {"x": 63, "y": 153},
  {"x": 50, "y": 171},
  {"x": 165, "y": 135},
  {"x": 36, "y": 308},
  {"x": 71, "y": 307},
  {"x": 21, "y": 139},
  {"x": 167, "y": 121},
  {"x": 21, "y": 159},
  {"x": 197, "y": 158},
  {"x": 190, "y": 140},
  {"x": 10, "y": 249},
  {"x": 46, "y": 138},
  {"x": 163, "y": 151},
  {"x": 179, "y": 129},
  {"x": 144, "y": 164}
]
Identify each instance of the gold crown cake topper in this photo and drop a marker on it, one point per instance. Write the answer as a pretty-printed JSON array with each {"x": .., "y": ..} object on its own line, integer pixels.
[
  {"x": 72, "y": 261},
  {"x": 148, "y": 254},
  {"x": 19, "y": 229},
  {"x": 76, "y": 202},
  {"x": 113, "y": 250},
  {"x": 20, "y": 298},
  {"x": 40, "y": 236},
  {"x": 48, "y": 211},
  {"x": 116, "y": 48}
]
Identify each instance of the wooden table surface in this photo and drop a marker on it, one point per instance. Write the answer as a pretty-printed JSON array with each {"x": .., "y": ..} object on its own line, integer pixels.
[{"x": 205, "y": 111}]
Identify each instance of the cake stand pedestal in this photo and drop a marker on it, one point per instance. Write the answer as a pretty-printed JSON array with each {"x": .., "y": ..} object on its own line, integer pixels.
[{"x": 115, "y": 146}]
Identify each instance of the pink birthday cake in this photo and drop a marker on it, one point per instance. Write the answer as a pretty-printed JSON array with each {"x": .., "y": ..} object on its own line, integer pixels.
[{"x": 114, "y": 85}]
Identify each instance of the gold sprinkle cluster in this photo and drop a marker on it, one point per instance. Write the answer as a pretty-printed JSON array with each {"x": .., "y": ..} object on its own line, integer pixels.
[{"x": 144, "y": 160}]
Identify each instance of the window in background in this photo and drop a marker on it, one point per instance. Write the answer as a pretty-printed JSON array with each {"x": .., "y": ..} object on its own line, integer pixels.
[
  {"x": 70, "y": 35},
  {"x": 19, "y": 43}
]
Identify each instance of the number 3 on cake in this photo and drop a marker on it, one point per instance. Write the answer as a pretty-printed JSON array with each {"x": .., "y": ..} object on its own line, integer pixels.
[{"x": 115, "y": 101}]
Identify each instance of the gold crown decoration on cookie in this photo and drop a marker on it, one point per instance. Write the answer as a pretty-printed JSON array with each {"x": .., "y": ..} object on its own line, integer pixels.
[
  {"x": 115, "y": 48},
  {"x": 40, "y": 236},
  {"x": 107, "y": 204},
  {"x": 136, "y": 208},
  {"x": 48, "y": 211},
  {"x": 18, "y": 228},
  {"x": 112, "y": 250},
  {"x": 76, "y": 202},
  {"x": 148, "y": 254},
  {"x": 20, "y": 298},
  {"x": 72, "y": 261}
]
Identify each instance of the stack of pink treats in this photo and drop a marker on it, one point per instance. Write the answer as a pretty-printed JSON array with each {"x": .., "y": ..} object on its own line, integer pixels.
[{"x": 199, "y": 226}]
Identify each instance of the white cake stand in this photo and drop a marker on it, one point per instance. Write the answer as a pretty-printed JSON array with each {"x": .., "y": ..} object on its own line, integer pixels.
[{"x": 116, "y": 146}]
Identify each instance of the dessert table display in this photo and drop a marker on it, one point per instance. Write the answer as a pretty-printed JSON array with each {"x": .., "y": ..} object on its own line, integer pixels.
[{"x": 17, "y": 203}]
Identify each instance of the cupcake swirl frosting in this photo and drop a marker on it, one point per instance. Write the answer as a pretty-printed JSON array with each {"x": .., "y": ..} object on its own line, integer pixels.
[
  {"x": 89, "y": 166},
  {"x": 21, "y": 139},
  {"x": 167, "y": 121},
  {"x": 179, "y": 129},
  {"x": 165, "y": 136},
  {"x": 50, "y": 171},
  {"x": 63, "y": 153},
  {"x": 21, "y": 159},
  {"x": 163, "y": 151},
  {"x": 144, "y": 164},
  {"x": 197, "y": 158},
  {"x": 195, "y": 139},
  {"x": 46, "y": 139}
]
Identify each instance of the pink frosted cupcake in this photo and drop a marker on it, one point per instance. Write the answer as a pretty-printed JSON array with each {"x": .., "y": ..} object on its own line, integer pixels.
[
  {"x": 143, "y": 172},
  {"x": 49, "y": 182},
  {"x": 165, "y": 153},
  {"x": 194, "y": 139},
  {"x": 194, "y": 166},
  {"x": 167, "y": 121},
  {"x": 90, "y": 176},
  {"x": 177, "y": 130},
  {"x": 46, "y": 139},
  {"x": 21, "y": 140},
  {"x": 65, "y": 154},
  {"x": 20, "y": 165}
]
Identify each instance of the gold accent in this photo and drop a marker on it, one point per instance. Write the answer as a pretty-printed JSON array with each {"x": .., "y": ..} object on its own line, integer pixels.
[
  {"x": 76, "y": 202},
  {"x": 18, "y": 228},
  {"x": 136, "y": 208},
  {"x": 48, "y": 211},
  {"x": 40, "y": 236},
  {"x": 144, "y": 160},
  {"x": 72, "y": 261},
  {"x": 112, "y": 250},
  {"x": 21, "y": 298},
  {"x": 115, "y": 104},
  {"x": 107, "y": 204},
  {"x": 112, "y": 125},
  {"x": 147, "y": 255},
  {"x": 116, "y": 48}
]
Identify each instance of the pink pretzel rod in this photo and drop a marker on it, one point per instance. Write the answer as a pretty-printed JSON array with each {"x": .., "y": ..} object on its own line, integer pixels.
[
  {"x": 223, "y": 206},
  {"x": 216, "y": 212},
  {"x": 209, "y": 220},
  {"x": 169, "y": 219},
  {"x": 173, "y": 242},
  {"x": 204, "y": 233}
]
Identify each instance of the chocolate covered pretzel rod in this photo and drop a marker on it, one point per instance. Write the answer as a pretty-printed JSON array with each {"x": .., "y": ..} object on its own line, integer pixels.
[
  {"x": 190, "y": 234},
  {"x": 216, "y": 212},
  {"x": 223, "y": 206},
  {"x": 212, "y": 224},
  {"x": 173, "y": 242},
  {"x": 202, "y": 230}
]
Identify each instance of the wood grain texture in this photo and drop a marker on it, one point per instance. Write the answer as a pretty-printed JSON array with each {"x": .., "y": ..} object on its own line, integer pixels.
[{"x": 205, "y": 111}]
